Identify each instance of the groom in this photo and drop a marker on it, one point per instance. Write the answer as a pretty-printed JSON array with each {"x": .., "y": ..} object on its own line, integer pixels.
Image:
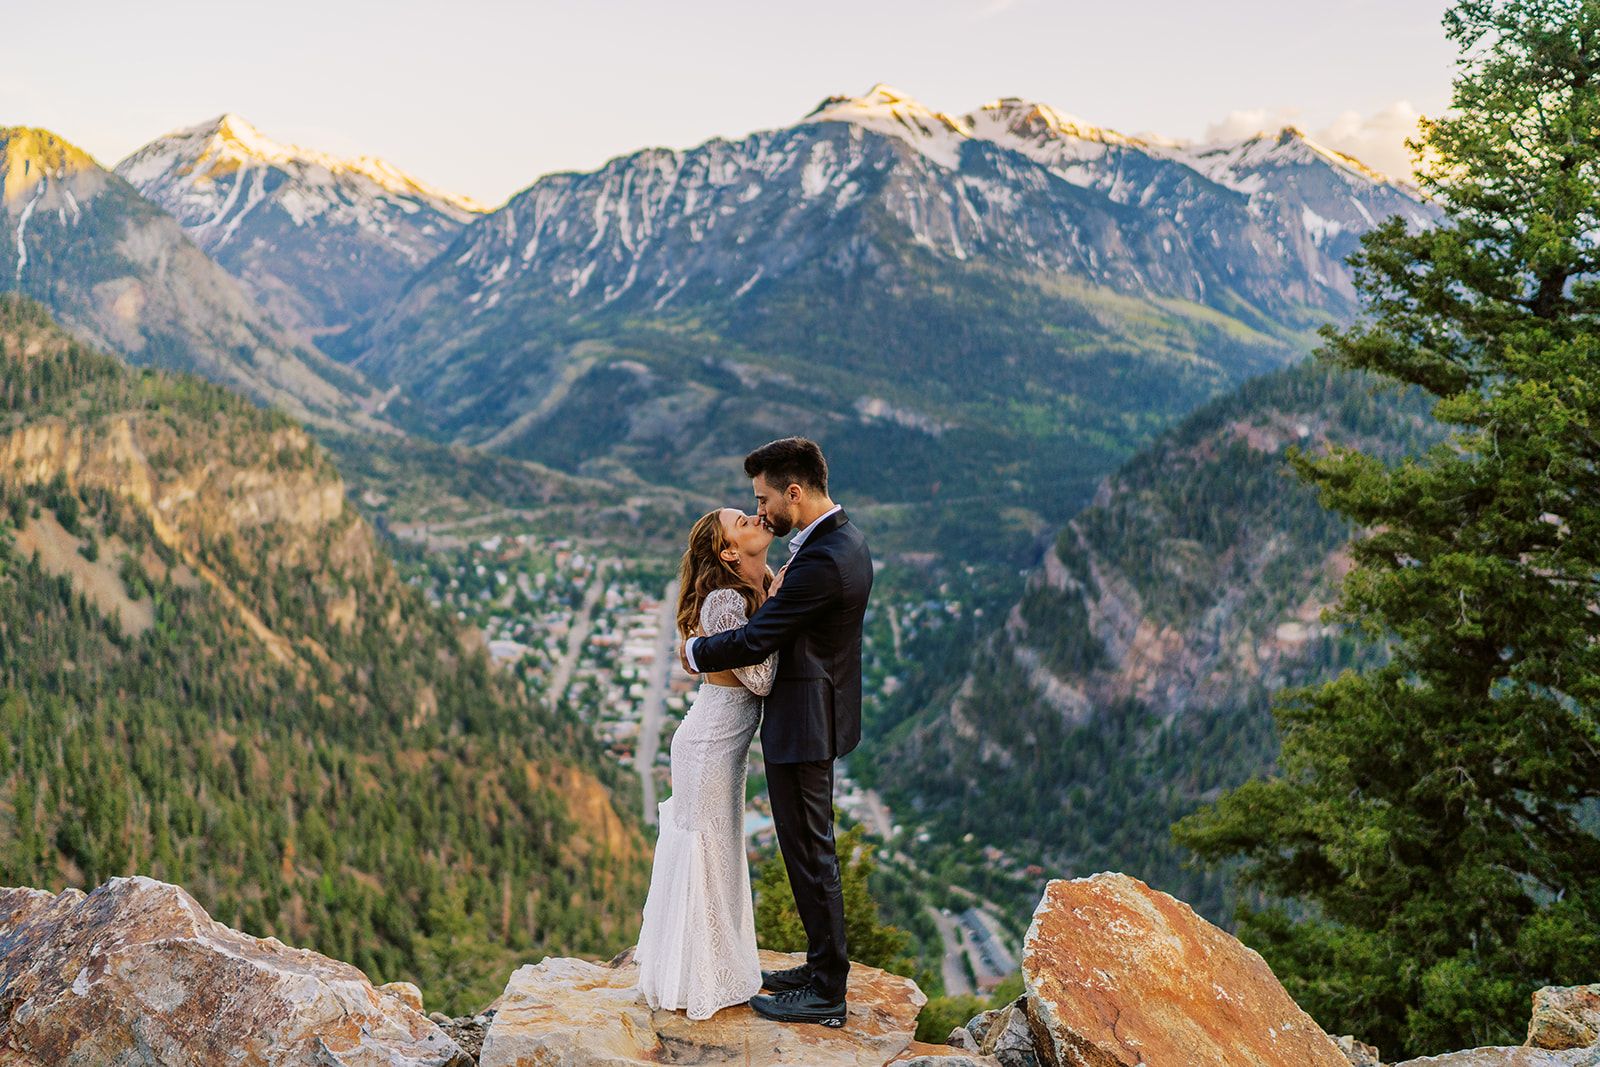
[{"x": 813, "y": 714}]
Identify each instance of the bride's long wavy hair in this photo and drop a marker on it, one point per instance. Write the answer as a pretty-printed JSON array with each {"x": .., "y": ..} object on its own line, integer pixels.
[{"x": 703, "y": 570}]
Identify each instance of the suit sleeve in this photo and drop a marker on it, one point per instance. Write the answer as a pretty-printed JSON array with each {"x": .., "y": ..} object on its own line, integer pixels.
[{"x": 808, "y": 590}]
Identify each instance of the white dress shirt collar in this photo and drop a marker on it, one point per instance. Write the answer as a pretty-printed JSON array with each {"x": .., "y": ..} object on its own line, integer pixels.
[{"x": 800, "y": 538}]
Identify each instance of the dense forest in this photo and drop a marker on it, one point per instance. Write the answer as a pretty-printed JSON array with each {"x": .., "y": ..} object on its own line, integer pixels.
[{"x": 209, "y": 673}]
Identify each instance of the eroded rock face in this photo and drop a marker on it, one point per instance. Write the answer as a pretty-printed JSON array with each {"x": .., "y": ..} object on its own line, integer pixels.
[
  {"x": 571, "y": 1012},
  {"x": 1565, "y": 1017},
  {"x": 137, "y": 973},
  {"x": 1119, "y": 974}
]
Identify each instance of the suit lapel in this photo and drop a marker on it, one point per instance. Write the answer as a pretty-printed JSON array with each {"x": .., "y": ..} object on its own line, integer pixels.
[{"x": 825, "y": 527}]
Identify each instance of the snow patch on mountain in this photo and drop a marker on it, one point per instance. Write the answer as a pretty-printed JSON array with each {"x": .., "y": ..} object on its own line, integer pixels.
[
  {"x": 229, "y": 140},
  {"x": 1237, "y": 165},
  {"x": 888, "y": 111},
  {"x": 214, "y": 175}
]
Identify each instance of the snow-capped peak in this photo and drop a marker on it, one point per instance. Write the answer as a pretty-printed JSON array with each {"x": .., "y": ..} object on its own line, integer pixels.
[
  {"x": 1072, "y": 147},
  {"x": 889, "y": 111},
  {"x": 1012, "y": 116},
  {"x": 229, "y": 141},
  {"x": 1235, "y": 163}
]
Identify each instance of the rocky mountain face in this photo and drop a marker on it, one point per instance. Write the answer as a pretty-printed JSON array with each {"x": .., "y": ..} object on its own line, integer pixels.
[
  {"x": 118, "y": 271},
  {"x": 1115, "y": 975},
  {"x": 1132, "y": 679},
  {"x": 211, "y": 671},
  {"x": 1001, "y": 304},
  {"x": 318, "y": 241}
]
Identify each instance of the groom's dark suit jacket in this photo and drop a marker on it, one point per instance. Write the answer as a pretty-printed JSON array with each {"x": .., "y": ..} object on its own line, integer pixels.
[{"x": 814, "y": 623}]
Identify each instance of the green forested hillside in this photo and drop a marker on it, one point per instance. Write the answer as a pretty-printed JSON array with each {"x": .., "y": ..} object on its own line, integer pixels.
[
  {"x": 209, "y": 673},
  {"x": 1131, "y": 680}
]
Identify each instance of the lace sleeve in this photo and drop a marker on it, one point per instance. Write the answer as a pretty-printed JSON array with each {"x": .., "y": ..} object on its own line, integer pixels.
[{"x": 724, "y": 610}]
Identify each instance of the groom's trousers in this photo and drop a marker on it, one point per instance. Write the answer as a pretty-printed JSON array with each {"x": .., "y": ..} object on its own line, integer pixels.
[{"x": 802, "y": 814}]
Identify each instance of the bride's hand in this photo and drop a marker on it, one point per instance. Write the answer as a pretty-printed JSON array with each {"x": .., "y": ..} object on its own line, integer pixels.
[{"x": 772, "y": 589}]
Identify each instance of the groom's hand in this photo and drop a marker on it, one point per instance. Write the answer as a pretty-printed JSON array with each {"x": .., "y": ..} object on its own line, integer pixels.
[{"x": 683, "y": 659}]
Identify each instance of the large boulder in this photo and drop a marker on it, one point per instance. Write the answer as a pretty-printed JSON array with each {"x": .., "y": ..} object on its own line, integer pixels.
[
  {"x": 137, "y": 973},
  {"x": 1119, "y": 974},
  {"x": 572, "y": 1013},
  {"x": 1565, "y": 1017}
]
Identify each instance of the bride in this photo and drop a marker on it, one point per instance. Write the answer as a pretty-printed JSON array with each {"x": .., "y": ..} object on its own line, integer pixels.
[{"x": 697, "y": 945}]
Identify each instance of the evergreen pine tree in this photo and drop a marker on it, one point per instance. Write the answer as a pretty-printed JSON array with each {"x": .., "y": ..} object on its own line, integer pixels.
[
  {"x": 1427, "y": 830},
  {"x": 870, "y": 939}
]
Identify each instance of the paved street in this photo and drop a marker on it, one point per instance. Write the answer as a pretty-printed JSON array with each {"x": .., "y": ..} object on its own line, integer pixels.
[
  {"x": 655, "y": 699},
  {"x": 561, "y": 677},
  {"x": 956, "y": 982}
]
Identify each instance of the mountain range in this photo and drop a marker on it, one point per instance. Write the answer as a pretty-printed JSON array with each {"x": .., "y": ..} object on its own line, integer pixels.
[
  {"x": 317, "y": 241},
  {"x": 120, "y": 272},
  {"x": 996, "y": 306}
]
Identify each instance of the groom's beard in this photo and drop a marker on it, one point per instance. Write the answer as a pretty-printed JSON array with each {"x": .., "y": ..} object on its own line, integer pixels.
[{"x": 779, "y": 525}]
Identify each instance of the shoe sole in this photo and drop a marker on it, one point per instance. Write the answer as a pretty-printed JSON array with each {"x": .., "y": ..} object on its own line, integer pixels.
[{"x": 833, "y": 1022}]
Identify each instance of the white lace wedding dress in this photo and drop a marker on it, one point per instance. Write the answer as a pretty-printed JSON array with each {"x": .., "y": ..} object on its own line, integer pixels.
[{"x": 697, "y": 946}]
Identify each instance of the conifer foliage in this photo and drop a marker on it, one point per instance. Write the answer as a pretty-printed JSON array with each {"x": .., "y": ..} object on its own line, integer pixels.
[{"x": 1429, "y": 833}]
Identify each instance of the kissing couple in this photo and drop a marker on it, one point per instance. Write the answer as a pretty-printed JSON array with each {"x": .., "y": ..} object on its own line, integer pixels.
[{"x": 783, "y": 650}]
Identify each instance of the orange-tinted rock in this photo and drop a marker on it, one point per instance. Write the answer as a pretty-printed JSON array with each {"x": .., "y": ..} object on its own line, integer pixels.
[
  {"x": 576, "y": 1013},
  {"x": 137, "y": 972},
  {"x": 1119, "y": 974},
  {"x": 1565, "y": 1017},
  {"x": 405, "y": 993}
]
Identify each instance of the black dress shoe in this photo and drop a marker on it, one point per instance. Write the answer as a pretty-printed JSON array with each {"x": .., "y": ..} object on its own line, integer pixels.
[
  {"x": 791, "y": 978},
  {"x": 803, "y": 1005}
]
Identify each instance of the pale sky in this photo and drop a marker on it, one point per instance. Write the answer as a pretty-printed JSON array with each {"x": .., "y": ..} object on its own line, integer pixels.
[{"x": 484, "y": 96}]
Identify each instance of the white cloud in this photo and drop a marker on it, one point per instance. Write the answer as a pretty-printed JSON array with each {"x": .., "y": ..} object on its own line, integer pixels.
[
  {"x": 1241, "y": 124},
  {"x": 1378, "y": 140}
]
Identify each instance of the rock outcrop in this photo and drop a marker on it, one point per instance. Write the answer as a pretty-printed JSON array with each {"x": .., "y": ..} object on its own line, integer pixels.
[
  {"x": 572, "y": 1012},
  {"x": 137, "y": 973},
  {"x": 1003, "y": 1033},
  {"x": 1116, "y": 975},
  {"x": 1565, "y": 1017},
  {"x": 1563, "y": 1031},
  {"x": 1119, "y": 975}
]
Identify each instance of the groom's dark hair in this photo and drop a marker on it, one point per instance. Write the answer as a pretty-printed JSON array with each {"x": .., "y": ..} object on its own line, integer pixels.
[{"x": 789, "y": 461}]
